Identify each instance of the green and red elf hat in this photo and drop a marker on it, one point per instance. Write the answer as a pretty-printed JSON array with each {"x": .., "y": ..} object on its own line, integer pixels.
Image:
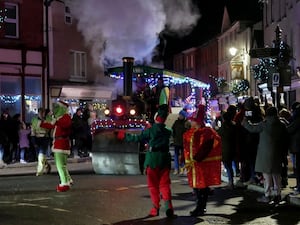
[{"x": 162, "y": 113}]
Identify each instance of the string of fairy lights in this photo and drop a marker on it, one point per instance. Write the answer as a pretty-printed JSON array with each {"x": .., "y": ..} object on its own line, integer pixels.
[
  {"x": 169, "y": 80},
  {"x": 2, "y": 17},
  {"x": 99, "y": 125},
  {"x": 236, "y": 87},
  {"x": 12, "y": 99}
]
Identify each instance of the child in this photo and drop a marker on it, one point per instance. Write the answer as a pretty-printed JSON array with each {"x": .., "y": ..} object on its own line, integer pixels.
[{"x": 23, "y": 141}]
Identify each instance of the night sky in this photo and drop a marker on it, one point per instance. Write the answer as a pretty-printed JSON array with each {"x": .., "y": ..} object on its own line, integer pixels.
[{"x": 209, "y": 24}]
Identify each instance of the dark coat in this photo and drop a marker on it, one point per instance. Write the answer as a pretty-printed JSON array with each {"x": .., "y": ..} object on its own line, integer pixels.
[
  {"x": 294, "y": 131},
  {"x": 228, "y": 134},
  {"x": 178, "y": 130},
  {"x": 79, "y": 128},
  {"x": 273, "y": 141}
]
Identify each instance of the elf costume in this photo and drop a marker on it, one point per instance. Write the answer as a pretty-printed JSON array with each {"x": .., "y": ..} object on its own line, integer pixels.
[
  {"x": 157, "y": 161},
  {"x": 202, "y": 152},
  {"x": 61, "y": 126}
]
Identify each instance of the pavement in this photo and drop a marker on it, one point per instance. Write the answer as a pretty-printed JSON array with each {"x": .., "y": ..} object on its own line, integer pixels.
[
  {"x": 284, "y": 192},
  {"x": 19, "y": 169},
  {"x": 85, "y": 164}
]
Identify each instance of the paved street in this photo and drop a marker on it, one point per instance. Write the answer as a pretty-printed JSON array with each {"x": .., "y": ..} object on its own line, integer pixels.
[{"x": 123, "y": 200}]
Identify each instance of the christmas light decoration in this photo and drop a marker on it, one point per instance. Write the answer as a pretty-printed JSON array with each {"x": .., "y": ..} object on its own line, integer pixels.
[
  {"x": 284, "y": 54},
  {"x": 2, "y": 17},
  {"x": 151, "y": 74},
  {"x": 220, "y": 81},
  {"x": 8, "y": 99},
  {"x": 261, "y": 71},
  {"x": 99, "y": 125},
  {"x": 240, "y": 86}
]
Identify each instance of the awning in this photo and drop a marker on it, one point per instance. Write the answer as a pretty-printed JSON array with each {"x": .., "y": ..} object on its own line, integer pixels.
[{"x": 87, "y": 92}]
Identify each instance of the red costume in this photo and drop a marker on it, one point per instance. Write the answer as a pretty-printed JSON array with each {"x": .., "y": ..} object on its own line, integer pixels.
[
  {"x": 61, "y": 126},
  {"x": 204, "y": 173},
  {"x": 202, "y": 152}
]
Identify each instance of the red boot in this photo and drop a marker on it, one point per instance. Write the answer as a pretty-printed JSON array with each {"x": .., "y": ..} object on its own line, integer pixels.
[
  {"x": 62, "y": 188},
  {"x": 154, "y": 212}
]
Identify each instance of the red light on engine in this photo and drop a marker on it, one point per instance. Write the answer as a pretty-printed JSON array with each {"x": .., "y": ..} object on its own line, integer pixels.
[{"x": 119, "y": 110}]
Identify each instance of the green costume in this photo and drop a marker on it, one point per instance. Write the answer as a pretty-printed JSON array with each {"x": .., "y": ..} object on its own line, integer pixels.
[
  {"x": 158, "y": 136},
  {"x": 61, "y": 126},
  {"x": 158, "y": 161}
]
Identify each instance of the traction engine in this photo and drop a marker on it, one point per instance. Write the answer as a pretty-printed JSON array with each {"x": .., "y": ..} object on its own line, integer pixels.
[{"x": 110, "y": 155}]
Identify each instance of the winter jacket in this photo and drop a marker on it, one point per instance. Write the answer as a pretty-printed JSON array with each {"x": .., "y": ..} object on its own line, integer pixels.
[
  {"x": 273, "y": 141},
  {"x": 158, "y": 137},
  {"x": 178, "y": 129},
  {"x": 294, "y": 131},
  {"x": 228, "y": 134}
]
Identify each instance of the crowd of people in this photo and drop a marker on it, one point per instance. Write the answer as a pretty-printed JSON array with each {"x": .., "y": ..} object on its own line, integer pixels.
[
  {"x": 22, "y": 142},
  {"x": 265, "y": 140},
  {"x": 256, "y": 145}
]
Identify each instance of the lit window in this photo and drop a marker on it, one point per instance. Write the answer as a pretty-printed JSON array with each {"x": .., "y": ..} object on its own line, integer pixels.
[
  {"x": 78, "y": 65},
  {"x": 11, "y": 20}
]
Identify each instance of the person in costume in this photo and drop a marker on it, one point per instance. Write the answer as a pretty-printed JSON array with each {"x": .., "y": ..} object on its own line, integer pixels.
[
  {"x": 158, "y": 160},
  {"x": 41, "y": 140},
  {"x": 61, "y": 125},
  {"x": 202, "y": 151},
  {"x": 161, "y": 95}
]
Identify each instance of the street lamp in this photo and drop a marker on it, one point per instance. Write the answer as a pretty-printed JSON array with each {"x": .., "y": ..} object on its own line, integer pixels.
[{"x": 233, "y": 51}]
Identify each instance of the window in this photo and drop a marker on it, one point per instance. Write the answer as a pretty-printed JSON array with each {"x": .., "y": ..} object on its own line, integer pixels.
[
  {"x": 33, "y": 90},
  {"x": 78, "y": 65},
  {"x": 11, "y": 20},
  {"x": 68, "y": 17},
  {"x": 10, "y": 94}
]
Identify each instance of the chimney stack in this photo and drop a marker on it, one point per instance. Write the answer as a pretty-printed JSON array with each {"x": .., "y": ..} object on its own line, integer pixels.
[{"x": 128, "y": 72}]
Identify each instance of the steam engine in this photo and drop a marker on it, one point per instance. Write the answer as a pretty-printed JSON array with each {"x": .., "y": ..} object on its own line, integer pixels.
[{"x": 110, "y": 155}]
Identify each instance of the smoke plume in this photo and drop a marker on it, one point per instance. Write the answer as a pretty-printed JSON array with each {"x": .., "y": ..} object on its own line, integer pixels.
[{"x": 117, "y": 28}]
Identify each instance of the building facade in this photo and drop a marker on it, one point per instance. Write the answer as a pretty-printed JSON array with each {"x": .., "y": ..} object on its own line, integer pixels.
[
  {"x": 73, "y": 75},
  {"x": 286, "y": 15},
  {"x": 22, "y": 57},
  {"x": 212, "y": 60}
]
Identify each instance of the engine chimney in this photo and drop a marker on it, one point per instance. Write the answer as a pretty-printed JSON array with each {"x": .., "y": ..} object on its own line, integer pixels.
[{"x": 128, "y": 71}]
